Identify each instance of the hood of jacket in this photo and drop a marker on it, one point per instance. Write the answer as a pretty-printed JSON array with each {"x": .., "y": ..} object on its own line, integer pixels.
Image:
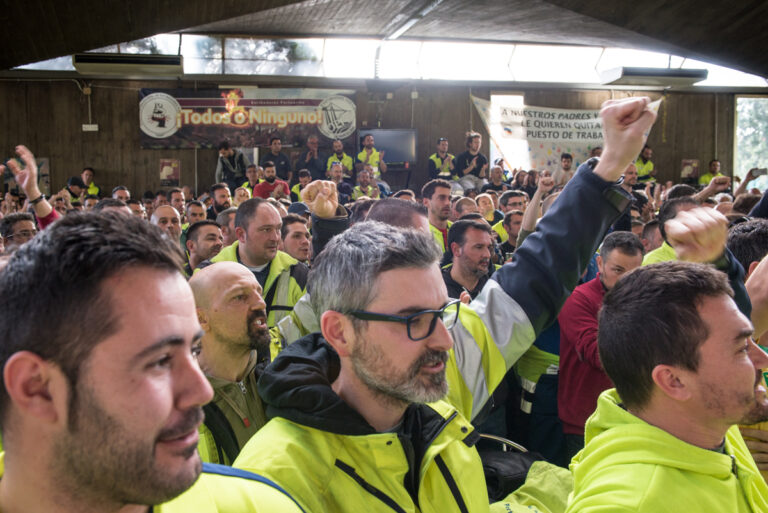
[
  {"x": 297, "y": 386},
  {"x": 613, "y": 436}
]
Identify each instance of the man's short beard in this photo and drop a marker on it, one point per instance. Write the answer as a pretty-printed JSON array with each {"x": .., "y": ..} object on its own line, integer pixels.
[
  {"x": 104, "y": 461},
  {"x": 475, "y": 270},
  {"x": 209, "y": 254},
  {"x": 759, "y": 411},
  {"x": 259, "y": 339},
  {"x": 375, "y": 372},
  {"x": 442, "y": 217},
  {"x": 270, "y": 179},
  {"x": 479, "y": 272}
]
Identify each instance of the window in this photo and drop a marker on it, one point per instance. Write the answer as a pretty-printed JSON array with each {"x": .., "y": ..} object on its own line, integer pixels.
[
  {"x": 163, "y": 44},
  {"x": 405, "y": 59},
  {"x": 202, "y": 54},
  {"x": 288, "y": 57},
  {"x": 751, "y": 137}
]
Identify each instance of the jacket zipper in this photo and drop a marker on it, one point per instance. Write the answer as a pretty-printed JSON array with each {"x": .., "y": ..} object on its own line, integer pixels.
[{"x": 368, "y": 487}]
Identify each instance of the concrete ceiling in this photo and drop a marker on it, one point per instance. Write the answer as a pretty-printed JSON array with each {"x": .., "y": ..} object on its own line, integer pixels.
[{"x": 733, "y": 34}]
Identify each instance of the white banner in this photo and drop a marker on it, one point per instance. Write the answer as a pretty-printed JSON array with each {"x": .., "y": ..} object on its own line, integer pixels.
[{"x": 534, "y": 137}]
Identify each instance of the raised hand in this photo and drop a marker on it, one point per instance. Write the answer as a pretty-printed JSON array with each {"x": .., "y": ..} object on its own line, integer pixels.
[
  {"x": 626, "y": 125},
  {"x": 321, "y": 197},
  {"x": 720, "y": 183},
  {"x": 546, "y": 184},
  {"x": 698, "y": 235},
  {"x": 26, "y": 177},
  {"x": 27, "y": 180}
]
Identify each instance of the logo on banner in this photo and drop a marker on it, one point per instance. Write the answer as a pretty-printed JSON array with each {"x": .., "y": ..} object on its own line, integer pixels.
[
  {"x": 338, "y": 117},
  {"x": 157, "y": 115}
]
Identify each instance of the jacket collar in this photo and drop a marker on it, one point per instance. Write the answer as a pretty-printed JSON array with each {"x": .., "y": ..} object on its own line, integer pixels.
[{"x": 297, "y": 387}]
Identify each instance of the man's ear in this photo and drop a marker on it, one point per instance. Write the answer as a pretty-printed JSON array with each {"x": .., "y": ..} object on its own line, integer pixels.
[
  {"x": 337, "y": 330},
  {"x": 202, "y": 318},
  {"x": 455, "y": 249},
  {"x": 672, "y": 381},
  {"x": 33, "y": 384},
  {"x": 751, "y": 268},
  {"x": 240, "y": 233}
]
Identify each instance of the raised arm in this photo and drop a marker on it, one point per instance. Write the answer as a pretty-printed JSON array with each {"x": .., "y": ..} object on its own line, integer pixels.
[
  {"x": 548, "y": 264},
  {"x": 743, "y": 185},
  {"x": 533, "y": 212},
  {"x": 526, "y": 295},
  {"x": 716, "y": 185},
  {"x": 27, "y": 179}
]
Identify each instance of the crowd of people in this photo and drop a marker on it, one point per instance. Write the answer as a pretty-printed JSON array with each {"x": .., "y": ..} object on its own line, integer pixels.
[{"x": 301, "y": 338}]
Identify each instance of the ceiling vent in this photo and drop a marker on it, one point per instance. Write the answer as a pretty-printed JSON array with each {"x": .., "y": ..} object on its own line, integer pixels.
[
  {"x": 658, "y": 77},
  {"x": 128, "y": 65}
]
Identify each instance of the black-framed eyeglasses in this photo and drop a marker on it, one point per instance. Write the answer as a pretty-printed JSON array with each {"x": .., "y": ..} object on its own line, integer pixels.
[
  {"x": 421, "y": 324},
  {"x": 22, "y": 234},
  {"x": 739, "y": 220}
]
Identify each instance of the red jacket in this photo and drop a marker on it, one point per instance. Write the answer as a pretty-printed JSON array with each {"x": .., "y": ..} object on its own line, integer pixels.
[
  {"x": 582, "y": 378},
  {"x": 265, "y": 189}
]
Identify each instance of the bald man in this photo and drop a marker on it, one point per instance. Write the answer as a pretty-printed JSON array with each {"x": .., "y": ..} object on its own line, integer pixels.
[
  {"x": 168, "y": 218},
  {"x": 232, "y": 314}
]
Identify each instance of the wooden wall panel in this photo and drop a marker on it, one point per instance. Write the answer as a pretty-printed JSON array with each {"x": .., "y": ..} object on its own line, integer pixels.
[
  {"x": 694, "y": 126},
  {"x": 47, "y": 116}
]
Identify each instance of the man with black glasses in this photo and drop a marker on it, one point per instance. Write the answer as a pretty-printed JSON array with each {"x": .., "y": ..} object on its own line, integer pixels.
[
  {"x": 373, "y": 413},
  {"x": 16, "y": 229}
]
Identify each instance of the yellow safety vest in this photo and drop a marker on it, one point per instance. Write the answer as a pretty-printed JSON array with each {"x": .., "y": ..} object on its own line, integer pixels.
[{"x": 443, "y": 166}]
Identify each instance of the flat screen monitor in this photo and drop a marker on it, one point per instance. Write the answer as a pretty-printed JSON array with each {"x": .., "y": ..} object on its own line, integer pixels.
[{"x": 398, "y": 145}]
